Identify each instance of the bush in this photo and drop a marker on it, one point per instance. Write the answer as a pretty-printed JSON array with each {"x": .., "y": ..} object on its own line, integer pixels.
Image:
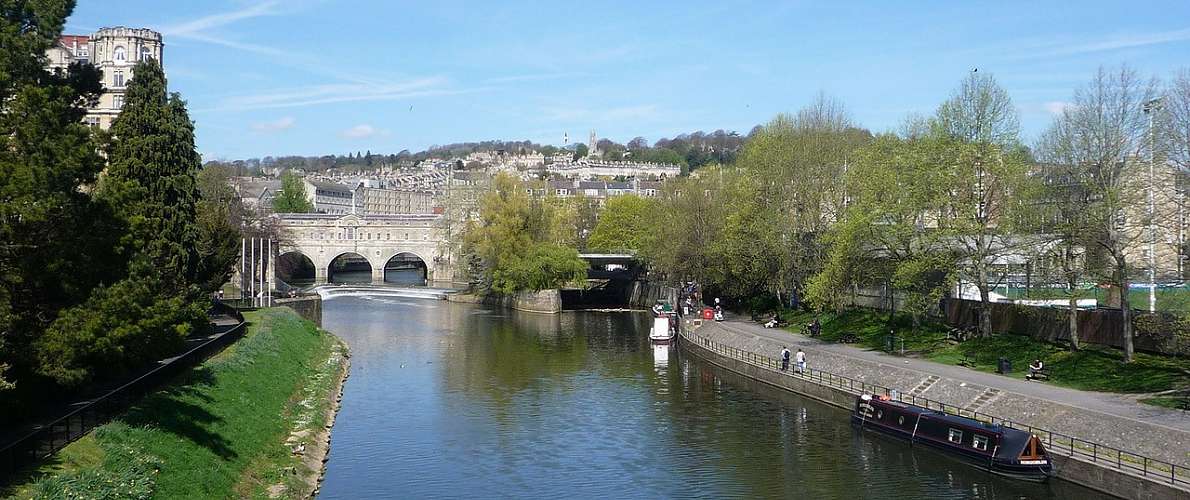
[{"x": 119, "y": 328}]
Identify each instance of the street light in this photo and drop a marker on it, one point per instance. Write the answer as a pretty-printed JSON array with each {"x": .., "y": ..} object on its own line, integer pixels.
[{"x": 1151, "y": 107}]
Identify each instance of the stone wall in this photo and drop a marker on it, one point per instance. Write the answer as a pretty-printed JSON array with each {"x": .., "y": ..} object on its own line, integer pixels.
[
  {"x": 542, "y": 301},
  {"x": 308, "y": 307}
]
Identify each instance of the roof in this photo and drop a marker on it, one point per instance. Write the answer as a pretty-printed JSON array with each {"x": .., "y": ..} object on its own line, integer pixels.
[
  {"x": 330, "y": 186},
  {"x": 591, "y": 185}
]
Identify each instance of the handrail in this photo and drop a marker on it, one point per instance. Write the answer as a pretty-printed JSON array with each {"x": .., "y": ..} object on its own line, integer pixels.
[
  {"x": 45, "y": 439},
  {"x": 1101, "y": 454}
]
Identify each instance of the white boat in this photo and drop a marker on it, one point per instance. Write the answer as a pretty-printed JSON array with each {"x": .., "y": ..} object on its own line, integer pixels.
[{"x": 661, "y": 332}]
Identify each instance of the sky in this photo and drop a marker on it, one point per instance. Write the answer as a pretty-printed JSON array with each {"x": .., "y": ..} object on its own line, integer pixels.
[{"x": 314, "y": 77}]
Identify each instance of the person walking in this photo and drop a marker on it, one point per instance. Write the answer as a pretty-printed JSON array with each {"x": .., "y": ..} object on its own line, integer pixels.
[
  {"x": 801, "y": 361},
  {"x": 784, "y": 358}
]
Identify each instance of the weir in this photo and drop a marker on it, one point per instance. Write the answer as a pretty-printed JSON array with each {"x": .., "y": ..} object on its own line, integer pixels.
[{"x": 328, "y": 292}]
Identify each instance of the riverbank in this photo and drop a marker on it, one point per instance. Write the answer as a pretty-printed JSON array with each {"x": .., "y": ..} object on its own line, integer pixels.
[
  {"x": 1158, "y": 436},
  {"x": 541, "y": 301},
  {"x": 1093, "y": 368},
  {"x": 252, "y": 421}
]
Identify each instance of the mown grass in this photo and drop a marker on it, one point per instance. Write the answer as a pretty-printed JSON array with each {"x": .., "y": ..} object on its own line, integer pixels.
[
  {"x": 218, "y": 431},
  {"x": 1093, "y": 368}
]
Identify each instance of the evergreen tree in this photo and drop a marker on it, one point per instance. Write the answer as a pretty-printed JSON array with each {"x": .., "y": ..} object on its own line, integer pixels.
[
  {"x": 151, "y": 185},
  {"x": 55, "y": 242}
]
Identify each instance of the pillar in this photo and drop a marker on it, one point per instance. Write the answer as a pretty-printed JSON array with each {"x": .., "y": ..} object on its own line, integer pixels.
[
  {"x": 320, "y": 274},
  {"x": 378, "y": 275}
]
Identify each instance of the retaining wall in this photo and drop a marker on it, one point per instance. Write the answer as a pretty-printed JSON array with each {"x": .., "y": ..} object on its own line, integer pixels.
[
  {"x": 542, "y": 301},
  {"x": 309, "y": 307}
]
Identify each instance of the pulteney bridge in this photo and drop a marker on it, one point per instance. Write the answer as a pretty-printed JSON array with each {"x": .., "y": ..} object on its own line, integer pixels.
[{"x": 350, "y": 245}]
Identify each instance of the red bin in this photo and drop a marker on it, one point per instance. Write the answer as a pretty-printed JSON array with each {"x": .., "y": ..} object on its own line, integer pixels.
[{"x": 708, "y": 313}]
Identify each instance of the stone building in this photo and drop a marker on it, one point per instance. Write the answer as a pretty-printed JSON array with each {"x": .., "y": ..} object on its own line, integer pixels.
[
  {"x": 330, "y": 197},
  {"x": 114, "y": 51},
  {"x": 378, "y": 201},
  {"x": 1164, "y": 231}
]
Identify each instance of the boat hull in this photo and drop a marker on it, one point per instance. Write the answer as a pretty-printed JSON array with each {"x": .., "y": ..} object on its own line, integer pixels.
[{"x": 1025, "y": 472}]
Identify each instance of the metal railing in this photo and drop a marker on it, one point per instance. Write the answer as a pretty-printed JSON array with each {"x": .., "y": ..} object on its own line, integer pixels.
[
  {"x": 1157, "y": 470},
  {"x": 45, "y": 439}
]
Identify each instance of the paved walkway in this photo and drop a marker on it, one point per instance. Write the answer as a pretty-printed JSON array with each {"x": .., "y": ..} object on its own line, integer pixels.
[{"x": 1120, "y": 405}]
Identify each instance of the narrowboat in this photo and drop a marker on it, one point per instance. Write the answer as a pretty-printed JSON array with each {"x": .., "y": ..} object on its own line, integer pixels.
[{"x": 1001, "y": 450}]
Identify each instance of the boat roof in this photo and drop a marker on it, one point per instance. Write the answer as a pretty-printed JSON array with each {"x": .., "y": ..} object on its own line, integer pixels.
[{"x": 1012, "y": 441}]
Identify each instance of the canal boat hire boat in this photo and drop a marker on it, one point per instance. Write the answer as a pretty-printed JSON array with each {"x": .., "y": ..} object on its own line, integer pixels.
[{"x": 1001, "y": 450}]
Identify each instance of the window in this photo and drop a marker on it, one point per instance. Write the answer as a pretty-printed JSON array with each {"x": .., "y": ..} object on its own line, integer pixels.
[
  {"x": 979, "y": 442},
  {"x": 956, "y": 436},
  {"x": 118, "y": 79},
  {"x": 145, "y": 54},
  {"x": 901, "y": 420},
  {"x": 119, "y": 55},
  {"x": 92, "y": 121},
  {"x": 117, "y": 101}
]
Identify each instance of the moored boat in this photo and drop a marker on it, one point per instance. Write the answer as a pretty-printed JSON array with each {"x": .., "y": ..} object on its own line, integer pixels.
[
  {"x": 999, "y": 449},
  {"x": 664, "y": 328}
]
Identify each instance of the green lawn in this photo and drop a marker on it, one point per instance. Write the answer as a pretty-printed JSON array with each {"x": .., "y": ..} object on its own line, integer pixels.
[
  {"x": 216, "y": 432},
  {"x": 1092, "y": 368}
]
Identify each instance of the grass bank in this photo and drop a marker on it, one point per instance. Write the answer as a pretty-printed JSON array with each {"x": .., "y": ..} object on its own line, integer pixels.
[
  {"x": 1094, "y": 368},
  {"x": 227, "y": 428}
]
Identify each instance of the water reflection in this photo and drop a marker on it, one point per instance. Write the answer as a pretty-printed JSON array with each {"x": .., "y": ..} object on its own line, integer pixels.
[{"x": 455, "y": 400}]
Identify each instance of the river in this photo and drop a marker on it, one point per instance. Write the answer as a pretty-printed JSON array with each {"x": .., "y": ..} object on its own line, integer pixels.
[{"x": 454, "y": 400}]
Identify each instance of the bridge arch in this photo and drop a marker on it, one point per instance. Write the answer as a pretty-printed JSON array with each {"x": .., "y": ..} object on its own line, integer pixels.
[
  {"x": 350, "y": 267},
  {"x": 406, "y": 268},
  {"x": 296, "y": 269}
]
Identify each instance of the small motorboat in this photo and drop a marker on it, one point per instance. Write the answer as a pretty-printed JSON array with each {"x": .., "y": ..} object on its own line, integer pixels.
[{"x": 1001, "y": 450}]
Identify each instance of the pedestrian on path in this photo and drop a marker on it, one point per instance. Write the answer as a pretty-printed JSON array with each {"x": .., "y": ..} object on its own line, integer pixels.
[
  {"x": 784, "y": 358},
  {"x": 801, "y": 361}
]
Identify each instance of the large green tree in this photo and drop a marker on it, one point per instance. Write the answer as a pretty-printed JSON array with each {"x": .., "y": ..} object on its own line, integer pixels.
[
  {"x": 627, "y": 222},
  {"x": 151, "y": 185},
  {"x": 292, "y": 198},
  {"x": 55, "y": 241}
]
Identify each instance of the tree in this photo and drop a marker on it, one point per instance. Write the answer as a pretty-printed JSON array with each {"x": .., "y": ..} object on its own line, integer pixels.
[
  {"x": 292, "y": 198},
  {"x": 151, "y": 185},
  {"x": 580, "y": 151},
  {"x": 627, "y": 222},
  {"x": 511, "y": 242},
  {"x": 985, "y": 171},
  {"x": 56, "y": 242},
  {"x": 1096, "y": 136},
  {"x": 220, "y": 216}
]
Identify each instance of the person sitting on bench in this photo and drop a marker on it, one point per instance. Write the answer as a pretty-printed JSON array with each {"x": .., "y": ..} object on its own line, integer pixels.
[
  {"x": 773, "y": 321},
  {"x": 1035, "y": 369}
]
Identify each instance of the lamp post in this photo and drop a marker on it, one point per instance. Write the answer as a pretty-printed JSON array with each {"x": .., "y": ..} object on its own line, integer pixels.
[{"x": 1151, "y": 107}]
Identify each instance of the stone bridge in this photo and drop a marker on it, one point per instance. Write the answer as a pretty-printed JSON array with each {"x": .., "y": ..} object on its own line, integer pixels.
[{"x": 378, "y": 239}]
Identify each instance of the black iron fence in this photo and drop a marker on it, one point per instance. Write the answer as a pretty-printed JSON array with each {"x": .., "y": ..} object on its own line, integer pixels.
[
  {"x": 43, "y": 440},
  {"x": 1101, "y": 454}
]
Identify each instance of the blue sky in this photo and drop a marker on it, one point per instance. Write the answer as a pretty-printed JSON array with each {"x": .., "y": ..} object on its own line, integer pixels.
[{"x": 279, "y": 77}]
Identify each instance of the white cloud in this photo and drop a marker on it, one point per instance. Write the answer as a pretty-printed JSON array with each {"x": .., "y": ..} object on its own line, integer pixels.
[
  {"x": 1123, "y": 42},
  {"x": 362, "y": 131},
  {"x": 283, "y": 123},
  {"x": 340, "y": 92},
  {"x": 537, "y": 77},
  {"x": 196, "y": 27}
]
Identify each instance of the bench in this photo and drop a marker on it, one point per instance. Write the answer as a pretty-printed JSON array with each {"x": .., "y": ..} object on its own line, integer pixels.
[{"x": 1042, "y": 374}]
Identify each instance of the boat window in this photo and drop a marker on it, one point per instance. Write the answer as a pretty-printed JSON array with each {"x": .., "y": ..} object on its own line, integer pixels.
[
  {"x": 901, "y": 420},
  {"x": 979, "y": 442},
  {"x": 879, "y": 414},
  {"x": 956, "y": 436}
]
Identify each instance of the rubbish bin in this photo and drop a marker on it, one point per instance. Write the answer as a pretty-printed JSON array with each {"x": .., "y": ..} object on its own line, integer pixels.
[
  {"x": 708, "y": 313},
  {"x": 1003, "y": 365}
]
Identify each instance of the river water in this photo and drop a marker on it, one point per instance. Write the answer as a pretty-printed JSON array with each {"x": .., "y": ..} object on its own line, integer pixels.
[{"x": 454, "y": 400}]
